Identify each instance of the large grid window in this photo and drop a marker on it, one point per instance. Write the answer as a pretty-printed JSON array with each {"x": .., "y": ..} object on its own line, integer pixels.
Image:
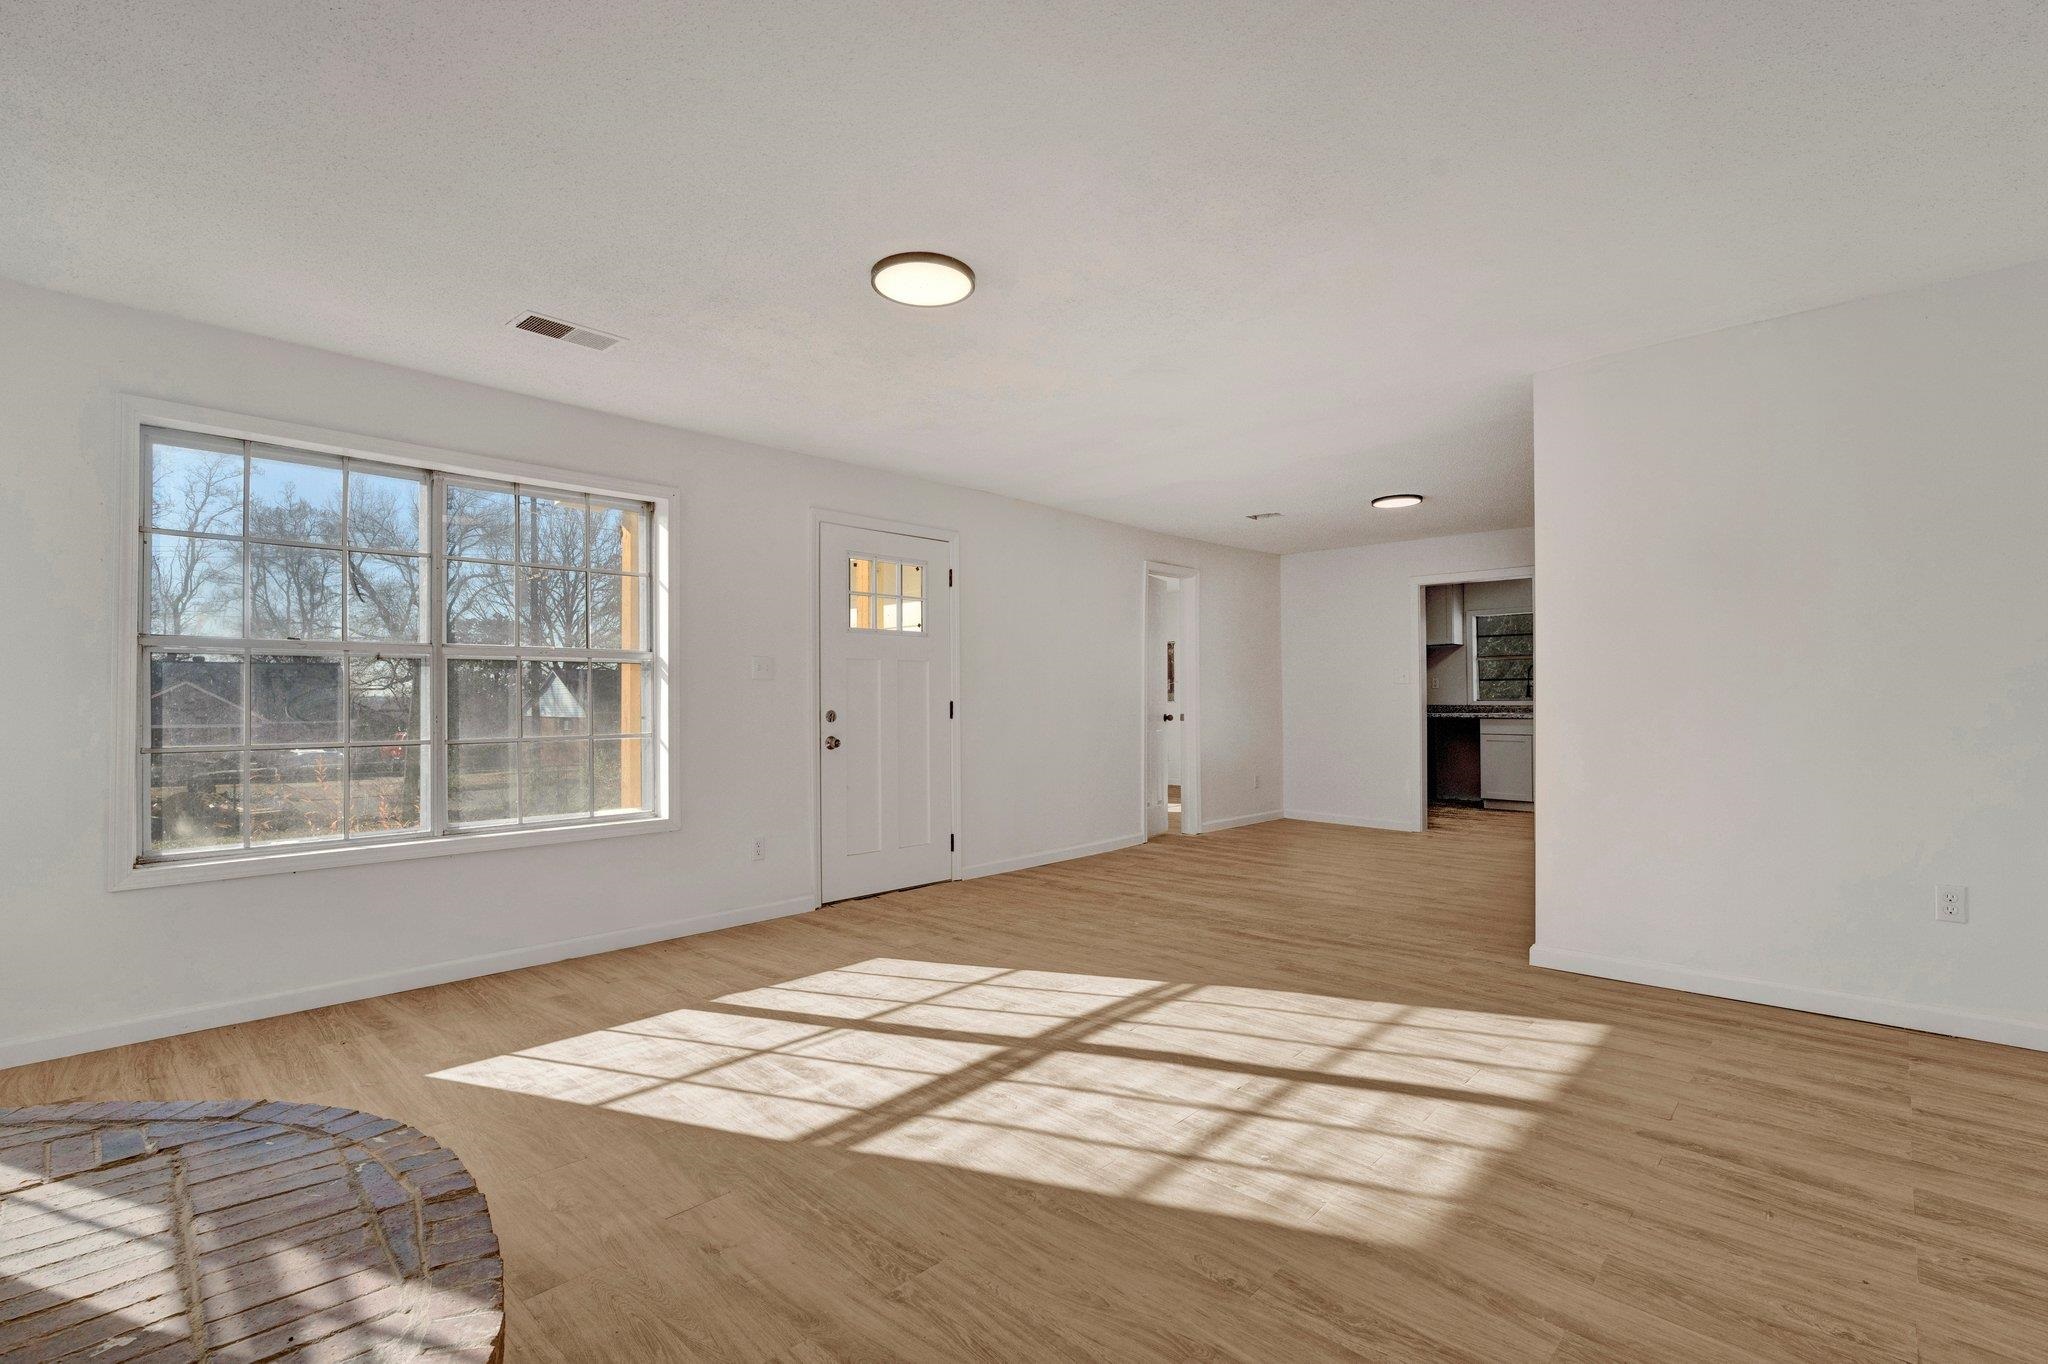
[{"x": 339, "y": 650}]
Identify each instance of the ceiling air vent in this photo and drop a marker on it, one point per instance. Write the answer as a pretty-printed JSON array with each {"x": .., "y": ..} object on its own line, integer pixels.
[{"x": 564, "y": 331}]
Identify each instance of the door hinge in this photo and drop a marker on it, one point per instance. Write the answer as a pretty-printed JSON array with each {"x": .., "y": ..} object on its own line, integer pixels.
[
  {"x": 949, "y": 577},
  {"x": 949, "y": 710},
  {"x": 952, "y": 842}
]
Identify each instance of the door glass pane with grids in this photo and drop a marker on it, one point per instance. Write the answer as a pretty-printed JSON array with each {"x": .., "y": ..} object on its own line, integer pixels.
[{"x": 885, "y": 594}]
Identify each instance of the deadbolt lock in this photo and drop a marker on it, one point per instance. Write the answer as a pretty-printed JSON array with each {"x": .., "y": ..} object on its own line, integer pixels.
[{"x": 830, "y": 716}]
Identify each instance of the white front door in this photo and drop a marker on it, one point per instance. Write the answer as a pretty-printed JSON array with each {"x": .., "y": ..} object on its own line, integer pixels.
[{"x": 885, "y": 695}]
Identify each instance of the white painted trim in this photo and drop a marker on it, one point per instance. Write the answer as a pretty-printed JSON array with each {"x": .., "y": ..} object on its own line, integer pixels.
[
  {"x": 1239, "y": 821},
  {"x": 23, "y": 1051},
  {"x": 1420, "y": 701},
  {"x": 956, "y": 584},
  {"x": 1350, "y": 821},
  {"x": 143, "y": 875},
  {"x": 1931, "y": 1018},
  {"x": 1474, "y": 575},
  {"x": 1056, "y": 855}
]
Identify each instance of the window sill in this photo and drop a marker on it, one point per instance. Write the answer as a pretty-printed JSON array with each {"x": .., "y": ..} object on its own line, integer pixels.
[{"x": 144, "y": 875}]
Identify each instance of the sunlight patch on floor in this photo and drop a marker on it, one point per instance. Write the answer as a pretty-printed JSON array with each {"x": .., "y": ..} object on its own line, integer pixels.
[{"x": 1358, "y": 1118}]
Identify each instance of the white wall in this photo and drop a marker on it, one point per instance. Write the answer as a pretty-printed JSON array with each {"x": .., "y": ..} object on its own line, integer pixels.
[
  {"x": 1352, "y": 659},
  {"x": 1051, "y": 686},
  {"x": 1848, "y": 707},
  {"x": 1507, "y": 595}
]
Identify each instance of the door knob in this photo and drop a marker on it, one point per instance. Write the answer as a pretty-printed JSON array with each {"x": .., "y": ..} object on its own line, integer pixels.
[
  {"x": 831, "y": 741},
  {"x": 1166, "y": 717}
]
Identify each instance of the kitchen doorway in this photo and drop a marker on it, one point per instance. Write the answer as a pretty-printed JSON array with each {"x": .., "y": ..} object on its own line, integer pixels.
[{"x": 1477, "y": 691}]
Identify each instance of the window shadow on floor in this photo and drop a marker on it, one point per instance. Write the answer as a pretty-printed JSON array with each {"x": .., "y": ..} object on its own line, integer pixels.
[{"x": 1357, "y": 1118}]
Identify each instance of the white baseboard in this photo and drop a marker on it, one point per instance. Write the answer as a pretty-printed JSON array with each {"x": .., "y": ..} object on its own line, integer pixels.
[
  {"x": 48, "y": 1046},
  {"x": 1210, "y": 826},
  {"x": 1352, "y": 821},
  {"x": 1047, "y": 858},
  {"x": 2012, "y": 1032}
]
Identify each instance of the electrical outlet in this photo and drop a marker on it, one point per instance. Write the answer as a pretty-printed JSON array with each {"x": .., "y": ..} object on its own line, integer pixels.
[
  {"x": 1952, "y": 904},
  {"x": 760, "y": 850}
]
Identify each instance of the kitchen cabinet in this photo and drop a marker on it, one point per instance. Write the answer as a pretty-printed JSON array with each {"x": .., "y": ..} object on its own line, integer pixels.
[
  {"x": 1507, "y": 760},
  {"x": 1443, "y": 611}
]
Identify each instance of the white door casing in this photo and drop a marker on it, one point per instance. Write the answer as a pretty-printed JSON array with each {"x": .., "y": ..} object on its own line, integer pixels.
[{"x": 885, "y": 680}]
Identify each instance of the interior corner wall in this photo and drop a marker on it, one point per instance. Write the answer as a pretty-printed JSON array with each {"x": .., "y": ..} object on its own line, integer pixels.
[
  {"x": 1812, "y": 524},
  {"x": 1352, "y": 667},
  {"x": 1052, "y": 686}
]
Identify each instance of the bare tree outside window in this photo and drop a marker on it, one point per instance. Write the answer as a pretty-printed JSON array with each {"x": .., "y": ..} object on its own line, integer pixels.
[{"x": 195, "y": 584}]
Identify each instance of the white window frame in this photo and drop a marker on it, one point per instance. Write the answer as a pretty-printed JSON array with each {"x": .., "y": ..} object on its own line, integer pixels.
[{"x": 126, "y": 840}]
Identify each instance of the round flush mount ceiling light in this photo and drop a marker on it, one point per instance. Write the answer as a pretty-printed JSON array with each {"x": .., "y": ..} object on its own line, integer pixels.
[
  {"x": 1393, "y": 500},
  {"x": 922, "y": 279}
]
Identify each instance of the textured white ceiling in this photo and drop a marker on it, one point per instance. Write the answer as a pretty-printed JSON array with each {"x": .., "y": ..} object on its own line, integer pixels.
[{"x": 1233, "y": 257}]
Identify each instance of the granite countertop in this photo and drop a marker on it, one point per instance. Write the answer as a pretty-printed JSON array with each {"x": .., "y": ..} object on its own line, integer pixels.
[{"x": 1483, "y": 710}]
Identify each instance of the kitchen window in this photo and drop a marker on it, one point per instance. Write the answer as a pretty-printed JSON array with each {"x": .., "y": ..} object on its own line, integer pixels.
[
  {"x": 341, "y": 652},
  {"x": 1504, "y": 657}
]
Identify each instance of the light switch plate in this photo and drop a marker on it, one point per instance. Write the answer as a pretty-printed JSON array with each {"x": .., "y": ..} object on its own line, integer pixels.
[{"x": 762, "y": 668}]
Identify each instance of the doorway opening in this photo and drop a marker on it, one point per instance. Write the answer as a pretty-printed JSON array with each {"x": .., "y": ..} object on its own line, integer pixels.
[
  {"x": 1478, "y": 692},
  {"x": 1172, "y": 769}
]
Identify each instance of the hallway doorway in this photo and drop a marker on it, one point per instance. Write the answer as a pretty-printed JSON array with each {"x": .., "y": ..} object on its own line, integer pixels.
[{"x": 1172, "y": 749}]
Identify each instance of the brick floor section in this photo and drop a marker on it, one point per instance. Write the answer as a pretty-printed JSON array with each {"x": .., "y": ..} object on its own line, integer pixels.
[{"x": 240, "y": 1230}]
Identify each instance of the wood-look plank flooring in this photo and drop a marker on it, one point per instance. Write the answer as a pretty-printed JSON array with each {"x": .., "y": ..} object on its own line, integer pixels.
[{"x": 1282, "y": 1093}]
